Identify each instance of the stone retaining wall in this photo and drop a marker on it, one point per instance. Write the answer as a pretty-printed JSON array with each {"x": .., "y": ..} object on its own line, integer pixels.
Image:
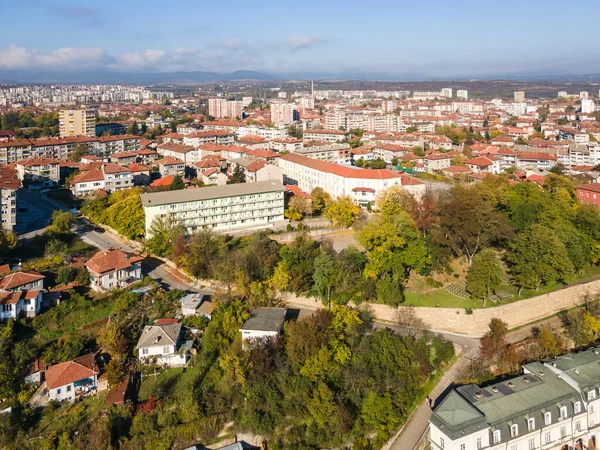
[{"x": 456, "y": 320}]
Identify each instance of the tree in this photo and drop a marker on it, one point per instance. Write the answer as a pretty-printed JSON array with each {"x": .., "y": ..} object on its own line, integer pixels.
[
  {"x": 115, "y": 372},
  {"x": 78, "y": 152},
  {"x": 410, "y": 324},
  {"x": 297, "y": 261},
  {"x": 468, "y": 223},
  {"x": 55, "y": 247},
  {"x": 320, "y": 199},
  {"x": 61, "y": 223},
  {"x": 10, "y": 121},
  {"x": 65, "y": 274},
  {"x": 177, "y": 184},
  {"x": 238, "y": 175},
  {"x": 298, "y": 208},
  {"x": 324, "y": 276},
  {"x": 485, "y": 275},
  {"x": 111, "y": 340},
  {"x": 494, "y": 341},
  {"x": 342, "y": 211},
  {"x": 163, "y": 236},
  {"x": 412, "y": 129},
  {"x": 537, "y": 256},
  {"x": 558, "y": 169}
]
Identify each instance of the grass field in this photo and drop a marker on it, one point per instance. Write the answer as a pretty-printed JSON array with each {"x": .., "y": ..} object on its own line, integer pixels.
[{"x": 441, "y": 298}]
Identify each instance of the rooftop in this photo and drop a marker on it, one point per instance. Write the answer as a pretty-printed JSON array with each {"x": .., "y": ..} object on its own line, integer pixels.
[{"x": 265, "y": 319}]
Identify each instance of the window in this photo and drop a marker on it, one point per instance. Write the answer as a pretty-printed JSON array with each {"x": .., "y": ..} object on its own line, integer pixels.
[
  {"x": 497, "y": 436},
  {"x": 166, "y": 349},
  {"x": 514, "y": 447},
  {"x": 58, "y": 391},
  {"x": 442, "y": 442},
  {"x": 548, "y": 418},
  {"x": 144, "y": 351},
  {"x": 530, "y": 424},
  {"x": 577, "y": 408},
  {"x": 479, "y": 443},
  {"x": 563, "y": 432},
  {"x": 514, "y": 430},
  {"x": 463, "y": 446},
  {"x": 547, "y": 437},
  {"x": 578, "y": 425},
  {"x": 531, "y": 444},
  {"x": 69, "y": 388},
  {"x": 591, "y": 395},
  {"x": 563, "y": 412}
]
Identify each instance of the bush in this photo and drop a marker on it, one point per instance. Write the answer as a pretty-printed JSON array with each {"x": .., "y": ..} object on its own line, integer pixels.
[
  {"x": 433, "y": 283},
  {"x": 469, "y": 311}
]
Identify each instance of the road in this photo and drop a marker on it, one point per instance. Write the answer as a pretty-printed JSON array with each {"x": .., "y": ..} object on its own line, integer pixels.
[{"x": 34, "y": 220}]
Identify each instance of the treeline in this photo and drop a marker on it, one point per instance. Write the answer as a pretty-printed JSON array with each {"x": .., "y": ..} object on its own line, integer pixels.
[
  {"x": 44, "y": 124},
  {"x": 121, "y": 210}
]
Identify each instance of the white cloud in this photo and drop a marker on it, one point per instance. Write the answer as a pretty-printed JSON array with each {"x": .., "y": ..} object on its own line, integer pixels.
[
  {"x": 16, "y": 57},
  {"x": 296, "y": 42}
]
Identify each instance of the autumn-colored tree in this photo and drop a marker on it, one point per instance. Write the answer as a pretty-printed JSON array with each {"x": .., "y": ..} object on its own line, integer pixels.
[{"x": 342, "y": 211}]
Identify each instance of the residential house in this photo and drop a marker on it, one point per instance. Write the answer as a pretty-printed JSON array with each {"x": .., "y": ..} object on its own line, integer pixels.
[
  {"x": 589, "y": 193},
  {"x": 22, "y": 281},
  {"x": 8, "y": 202},
  {"x": 191, "y": 302},
  {"x": 114, "y": 268},
  {"x": 325, "y": 135},
  {"x": 124, "y": 158},
  {"x": 18, "y": 304},
  {"x": 388, "y": 152},
  {"x": 264, "y": 323},
  {"x": 536, "y": 161},
  {"x": 38, "y": 171},
  {"x": 483, "y": 164},
  {"x": 108, "y": 177},
  {"x": 140, "y": 174},
  {"x": 436, "y": 161},
  {"x": 72, "y": 379},
  {"x": 163, "y": 345},
  {"x": 213, "y": 177},
  {"x": 171, "y": 166},
  {"x": 186, "y": 153}
]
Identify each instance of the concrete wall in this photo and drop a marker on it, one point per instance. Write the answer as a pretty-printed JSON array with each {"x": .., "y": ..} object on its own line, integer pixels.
[{"x": 457, "y": 321}]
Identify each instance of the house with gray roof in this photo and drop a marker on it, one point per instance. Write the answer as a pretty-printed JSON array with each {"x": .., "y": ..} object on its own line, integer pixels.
[
  {"x": 163, "y": 345},
  {"x": 552, "y": 405},
  {"x": 264, "y": 323}
]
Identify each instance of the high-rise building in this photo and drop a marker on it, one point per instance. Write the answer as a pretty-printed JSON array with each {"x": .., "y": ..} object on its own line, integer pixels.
[
  {"x": 583, "y": 95},
  {"x": 462, "y": 93},
  {"x": 519, "y": 96},
  {"x": 283, "y": 112},
  {"x": 588, "y": 106},
  {"x": 219, "y": 108},
  {"x": 246, "y": 101},
  {"x": 282, "y": 94},
  {"x": 446, "y": 92},
  {"x": 77, "y": 122}
]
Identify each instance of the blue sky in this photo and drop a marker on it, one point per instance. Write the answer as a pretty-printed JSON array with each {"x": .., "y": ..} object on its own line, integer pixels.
[{"x": 427, "y": 38}]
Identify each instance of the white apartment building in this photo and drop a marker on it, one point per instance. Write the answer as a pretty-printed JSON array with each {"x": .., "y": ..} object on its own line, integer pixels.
[
  {"x": 41, "y": 171},
  {"x": 283, "y": 112},
  {"x": 583, "y": 95},
  {"x": 362, "y": 185},
  {"x": 588, "y": 106},
  {"x": 325, "y": 135},
  {"x": 446, "y": 92},
  {"x": 219, "y": 108},
  {"x": 335, "y": 153},
  {"x": 110, "y": 177},
  {"x": 220, "y": 208},
  {"x": 462, "y": 94},
  {"x": 552, "y": 406},
  {"x": 8, "y": 194},
  {"x": 246, "y": 101},
  {"x": 519, "y": 96}
]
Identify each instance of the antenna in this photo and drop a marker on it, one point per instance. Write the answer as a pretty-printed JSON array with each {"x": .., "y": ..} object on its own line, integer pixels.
[{"x": 312, "y": 89}]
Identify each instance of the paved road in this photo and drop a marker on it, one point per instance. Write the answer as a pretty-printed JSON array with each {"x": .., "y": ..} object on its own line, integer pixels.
[{"x": 36, "y": 218}]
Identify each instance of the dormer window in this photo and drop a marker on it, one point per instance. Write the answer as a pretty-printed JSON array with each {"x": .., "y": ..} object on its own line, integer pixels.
[
  {"x": 548, "y": 418},
  {"x": 531, "y": 424},
  {"x": 497, "y": 436},
  {"x": 591, "y": 395},
  {"x": 577, "y": 408},
  {"x": 514, "y": 430},
  {"x": 563, "y": 412}
]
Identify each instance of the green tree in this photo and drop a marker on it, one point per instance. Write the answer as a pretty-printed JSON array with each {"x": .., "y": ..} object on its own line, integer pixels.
[
  {"x": 177, "y": 184},
  {"x": 61, "y": 223},
  {"x": 320, "y": 200},
  {"x": 65, "y": 274},
  {"x": 163, "y": 236},
  {"x": 485, "y": 275},
  {"x": 79, "y": 151},
  {"x": 10, "y": 121},
  {"x": 297, "y": 261},
  {"x": 342, "y": 211},
  {"x": 324, "y": 276},
  {"x": 538, "y": 257},
  {"x": 238, "y": 175}
]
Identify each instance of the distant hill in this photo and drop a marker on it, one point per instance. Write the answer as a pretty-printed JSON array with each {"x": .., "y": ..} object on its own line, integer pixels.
[{"x": 128, "y": 77}]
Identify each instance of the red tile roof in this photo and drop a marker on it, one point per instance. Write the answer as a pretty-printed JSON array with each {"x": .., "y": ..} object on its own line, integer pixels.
[
  {"x": 177, "y": 148},
  {"x": 109, "y": 260},
  {"x": 16, "y": 279},
  {"x": 71, "y": 371},
  {"x": 169, "y": 161},
  {"x": 164, "y": 181}
]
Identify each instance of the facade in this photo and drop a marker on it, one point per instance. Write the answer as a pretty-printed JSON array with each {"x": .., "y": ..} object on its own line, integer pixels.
[
  {"x": 72, "y": 379},
  {"x": 589, "y": 193},
  {"x": 170, "y": 166},
  {"x": 552, "y": 406},
  {"x": 434, "y": 163},
  {"x": 283, "y": 113},
  {"x": 362, "y": 185},
  {"x": 264, "y": 323},
  {"x": 519, "y": 96},
  {"x": 40, "y": 171},
  {"x": 77, "y": 122},
  {"x": 110, "y": 177},
  {"x": 113, "y": 269},
  {"x": 22, "y": 281},
  {"x": 186, "y": 153},
  {"x": 219, "y": 108},
  {"x": 162, "y": 344},
  {"x": 8, "y": 195},
  {"x": 18, "y": 304},
  {"x": 113, "y": 128},
  {"x": 462, "y": 94},
  {"x": 220, "y": 208},
  {"x": 336, "y": 153},
  {"x": 325, "y": 135}
]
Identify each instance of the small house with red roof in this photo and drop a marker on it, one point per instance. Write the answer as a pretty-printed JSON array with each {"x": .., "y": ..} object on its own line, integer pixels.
[
  {"x": 72, "y": 379},
  {"x": 114, "y": 268},
  {"x": 213, "y": 176},
  {"x": 170, "y": 166},
  {"x": 483, "y": 164},
  {"x": 589, "y": 193}
]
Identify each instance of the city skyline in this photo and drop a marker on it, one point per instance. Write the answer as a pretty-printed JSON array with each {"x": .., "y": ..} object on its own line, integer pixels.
[{"x": 402, "y": 40}]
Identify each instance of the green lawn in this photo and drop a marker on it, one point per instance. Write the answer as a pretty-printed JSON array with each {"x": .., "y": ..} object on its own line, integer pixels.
[
  {"x": 159, "y": 386},
  {"x": 441, "y": 298}
]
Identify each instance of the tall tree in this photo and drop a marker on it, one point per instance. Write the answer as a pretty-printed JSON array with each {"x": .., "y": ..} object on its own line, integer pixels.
[
  {"x": 537, "y": 256},
  {"x": 485, "y": 275},
  {"x": 342, "y": 211},
  {"x": 238, "y": 175}
]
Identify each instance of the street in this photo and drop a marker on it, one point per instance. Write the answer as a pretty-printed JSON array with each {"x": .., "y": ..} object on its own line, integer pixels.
[{"x": 35, "y": 218}]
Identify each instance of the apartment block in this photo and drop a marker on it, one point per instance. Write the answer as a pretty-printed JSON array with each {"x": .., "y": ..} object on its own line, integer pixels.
[
  {"x": 283, "y": 112},
  {"x": 8, "y": 195},
  {"x": 219, "y": 108},
  {"x": 231, "y": 207},
  {"x": 77, "y": 122}
]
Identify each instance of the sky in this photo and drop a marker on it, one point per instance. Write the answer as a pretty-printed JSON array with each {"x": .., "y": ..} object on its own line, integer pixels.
[{"x": 418, "y": 39}]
